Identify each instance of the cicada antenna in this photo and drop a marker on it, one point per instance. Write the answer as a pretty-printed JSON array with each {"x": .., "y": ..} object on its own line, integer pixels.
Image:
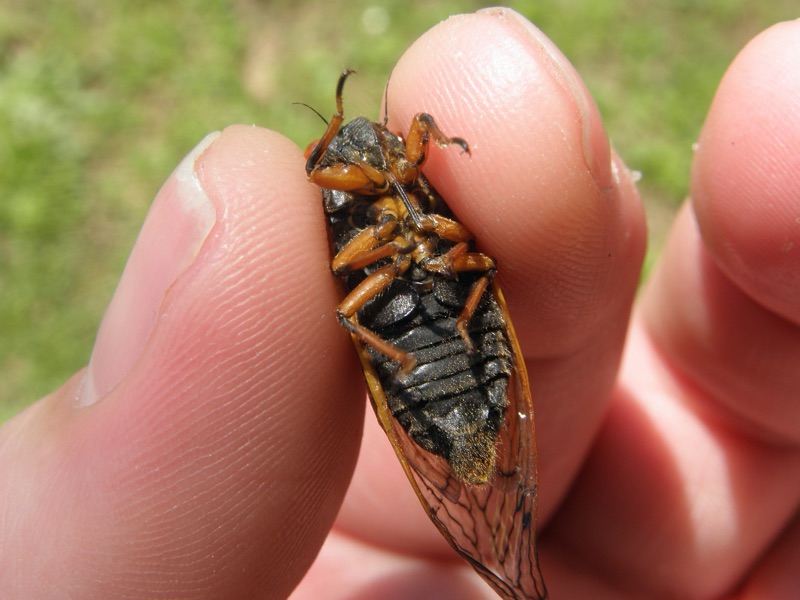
[
  {"x": 311, "y": 108},
  {"x": 386, "y": 101}
]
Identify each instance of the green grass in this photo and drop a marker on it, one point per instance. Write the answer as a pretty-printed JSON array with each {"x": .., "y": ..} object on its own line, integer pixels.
[{"x": 97, "y": 105}]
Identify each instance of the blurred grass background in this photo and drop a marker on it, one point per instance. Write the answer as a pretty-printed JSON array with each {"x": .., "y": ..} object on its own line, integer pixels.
[{"x": 99, "y": 101}]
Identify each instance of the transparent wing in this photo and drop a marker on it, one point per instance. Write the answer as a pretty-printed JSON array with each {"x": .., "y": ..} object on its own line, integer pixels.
[{"x": 492, "y": 526}]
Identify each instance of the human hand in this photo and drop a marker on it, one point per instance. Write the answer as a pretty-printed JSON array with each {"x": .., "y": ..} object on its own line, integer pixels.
[{"x": 207, "y": 449}]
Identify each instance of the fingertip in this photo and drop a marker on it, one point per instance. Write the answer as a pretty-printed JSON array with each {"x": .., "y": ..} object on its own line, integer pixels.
[
  {"x": 540, "y": 192},
  {"x": 499, "y": 83},
  {"x": 745, "y": 180}
]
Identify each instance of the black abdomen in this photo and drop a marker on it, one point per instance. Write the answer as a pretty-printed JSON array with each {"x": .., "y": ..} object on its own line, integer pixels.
[{"x": 452, "y": 403}]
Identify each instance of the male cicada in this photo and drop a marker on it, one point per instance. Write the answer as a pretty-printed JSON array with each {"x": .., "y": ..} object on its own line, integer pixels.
[{"x": 442, "y": 363}]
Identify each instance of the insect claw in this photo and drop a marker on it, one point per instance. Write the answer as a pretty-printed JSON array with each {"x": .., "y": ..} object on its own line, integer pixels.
[{"x": 462, "y": 144}]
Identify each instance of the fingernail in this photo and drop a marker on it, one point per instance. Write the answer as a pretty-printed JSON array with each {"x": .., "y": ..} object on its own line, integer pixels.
[
  {"x": 594, "y": 142},
  {"x": 173, "y": 233}
]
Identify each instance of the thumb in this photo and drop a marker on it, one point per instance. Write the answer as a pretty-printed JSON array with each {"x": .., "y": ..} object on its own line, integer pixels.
[{"x": 207, "y": 446}]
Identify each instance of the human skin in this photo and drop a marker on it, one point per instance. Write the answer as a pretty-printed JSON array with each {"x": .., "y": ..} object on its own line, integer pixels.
[{"x": 214, "y": 444}]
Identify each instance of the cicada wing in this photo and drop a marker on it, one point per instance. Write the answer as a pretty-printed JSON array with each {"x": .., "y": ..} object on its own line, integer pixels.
[{"x": 492, "y": 526}]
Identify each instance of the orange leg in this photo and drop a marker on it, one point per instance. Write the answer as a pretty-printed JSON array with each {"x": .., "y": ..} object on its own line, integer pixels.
[
  {"x": 473, "y": 261},
  {"x": 423, "y": 127},
  {"x": 474, "y": 298},
  {"x": 395, "y": 247},
  {"x": 371, "y": 245},
  {"x": 342, "y": 177},
  {"x": 353, "y": 176},
  {"x": 458, "y": 260},
  {"x": 450, "y": 230},
  {"x": 333, "y": 127},
  {"x": 357, "y": 298}
]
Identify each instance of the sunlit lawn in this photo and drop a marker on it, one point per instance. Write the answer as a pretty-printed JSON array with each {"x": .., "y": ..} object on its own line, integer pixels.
[{"x": 98, "y": 103}]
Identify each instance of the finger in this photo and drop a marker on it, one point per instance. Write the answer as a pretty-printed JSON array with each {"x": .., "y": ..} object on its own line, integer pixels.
[
  {"x": 739, "y": 341},
  {"x": 214, "y": 431},
  {"x": 541, "y": 196},
  {"x": 745, "y": 182},
  {"x": 775, "y": 575},
  {"x": 696, "y": 470}
]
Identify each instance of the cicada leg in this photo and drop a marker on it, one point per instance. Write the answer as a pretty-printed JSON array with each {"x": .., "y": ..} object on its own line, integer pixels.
[
  {"x": 356, "y": 299},
  {"x": 422, "y": 129},
  {"x": 354, "y": 177},
  {"x": 335, "y": 124},
  {"x": 343, "y": 263},
  {"x": 449, "y": 229},
  {"x": 458, "y": 260},
  {"x": 475, "y": 295},
  {"x": 370, "y": 245}
]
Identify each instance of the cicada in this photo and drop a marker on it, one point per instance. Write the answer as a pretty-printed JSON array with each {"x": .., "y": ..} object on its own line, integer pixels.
[{"x": 442, "y": 364}]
